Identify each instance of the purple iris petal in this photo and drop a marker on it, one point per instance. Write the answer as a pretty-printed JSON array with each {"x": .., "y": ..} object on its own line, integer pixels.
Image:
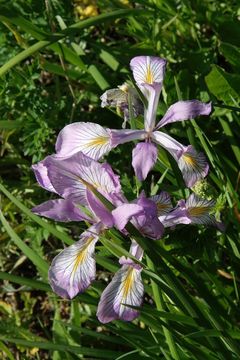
[
  {"x": 40, "y": 171},
  {"x": 184, "y": 110},
  {"x": 148, "y": 69},
  {"x": 99, "y": 209},
  {"x": 144, "y": 157},
  {"x": 123, "y": 136},
  {"x": 61, "y": 210},
  {"x": 123, "y": 213}
]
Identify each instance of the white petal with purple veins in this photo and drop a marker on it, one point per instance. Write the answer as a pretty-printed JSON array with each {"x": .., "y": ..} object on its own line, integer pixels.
[{"x": 90, "y": 138}]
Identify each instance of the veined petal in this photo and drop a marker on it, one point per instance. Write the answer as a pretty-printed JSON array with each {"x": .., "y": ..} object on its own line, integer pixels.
[
  {"x": 61, "y": 210},
  {"x": 163, "y": 202},
  {"x": 91, "y": 139},
  {"x": 71, "y": 176},
  {"x": 144, "y": 156},
  {"x": 41, "y": 174},
  {"x": 184, "y": 110},
  {"x": 198, "y": 210},
  {"x": 175, "y": 217},
  {"x": 193, "y": 166},
  {"x": 73, "y": 270},
  {"x": 148, "y": 69},
  {"x": 123, "y": 136},
  {"x": 126, "y": 288}
]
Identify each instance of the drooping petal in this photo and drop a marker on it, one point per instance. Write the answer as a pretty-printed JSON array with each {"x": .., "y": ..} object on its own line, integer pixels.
[
  {"x": 61, "y": 210},
  {"x": 193, "y": 166},
  {"x": 40, "y": 171},
  {"x": 199, "y": 210},
  {"x": 144, "y": 156},
  {"x": 167, "y": 142},
  {"x": 163, "y": 202},
  {"x": 90, "y": 138},
  {"x": 175, "y": 217},
  {"x": 100, "y": 210},
  {"x": 123, "y": 213},
  {"x": 123, "y": 136},
  {"x": 126, "y": 288},
  {"x": 184, "y": 110},
  {"x": 71, "y": 177},
  {"x": 73, "y": 270},
  {"x": 148, "y": 69}
]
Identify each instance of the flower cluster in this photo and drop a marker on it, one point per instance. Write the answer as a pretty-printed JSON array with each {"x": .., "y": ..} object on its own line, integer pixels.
[{"x": 90, "y": 191}]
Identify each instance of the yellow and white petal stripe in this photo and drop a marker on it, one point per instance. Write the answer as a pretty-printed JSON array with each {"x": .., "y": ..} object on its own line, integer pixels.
[
  {"x": 92, "y": 139},
  {"x": 126, "y": 288},
  {"x": 199, "y": 210},
  {"x": 148, "y": 69},
  {"x": 163, "y": 202},
  {"x": 73, "y": 270}
]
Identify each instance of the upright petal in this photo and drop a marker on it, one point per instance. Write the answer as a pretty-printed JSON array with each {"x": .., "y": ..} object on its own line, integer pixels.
[
  {"x": 72, "y": 176},
  {"x": 126, "y": 288},
  {"x": 61, "y": 210},
  {"x": 148, "y": 69},
  {"x": 41, "y": 174},
  {"x": 91, "y": 139},
  {"x": 184, "y": 110},
  {"x": 144, "y": 156},
  {"x": 73, "y": 270},
  {"x": 193, "y": 166},
  {"x": 152, "y": 93},
  {"x": 163, "y": 202},
  {"x": 123, "y": 136}
]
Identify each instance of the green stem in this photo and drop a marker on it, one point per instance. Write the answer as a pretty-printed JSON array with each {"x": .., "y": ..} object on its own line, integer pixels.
[{"x": 161, "y": 307}]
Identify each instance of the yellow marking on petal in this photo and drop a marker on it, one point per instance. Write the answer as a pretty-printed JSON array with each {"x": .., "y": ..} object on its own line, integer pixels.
[
  {"x": 101, "y": 140},
  {"x": 128, "y": 282},
  {"x": 162, "y": 207},
  {"x": 190, "y": 160},
  {"x": 81, "y": 256},
  {"x": 149, "y": 75},
  {"x": 199, "y": 211}
]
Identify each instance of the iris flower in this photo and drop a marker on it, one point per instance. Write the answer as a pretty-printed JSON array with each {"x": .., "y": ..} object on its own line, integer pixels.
[
  {"x": 75, "y": 179},
  {"x": 96, "y": 141}
]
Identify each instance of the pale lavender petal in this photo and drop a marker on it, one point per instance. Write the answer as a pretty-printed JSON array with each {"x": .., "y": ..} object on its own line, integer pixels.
[
  {"x": 193, "y": 166},
  {"x": 144, "y": 156},
  {"x": 61, "y": 210},
  {"x": 175, "y": 217},
  {"x": 184, "y": 110},
  {"x": 99, "y": 209},
  {"x": 123, "y": 213},
  {"x": 137, "y": 252},
  {"x": 163, "y": 202},
  {"x": 73, "y": 270},
  {"x": 123, "y": 136},
  {"x": 40, "y": 171},
  {"x": 148, "y": 69},
  {"x": 90, "y": 138},
  {"x": 167, "y": 142},
  {"x": 72, "y": 176},
  {"x": 126, "y": 288}
]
